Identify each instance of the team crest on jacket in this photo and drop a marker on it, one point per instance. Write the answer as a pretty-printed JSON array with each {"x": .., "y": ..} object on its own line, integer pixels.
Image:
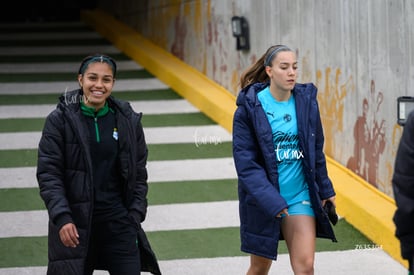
[{"x": 115, "y": 134}]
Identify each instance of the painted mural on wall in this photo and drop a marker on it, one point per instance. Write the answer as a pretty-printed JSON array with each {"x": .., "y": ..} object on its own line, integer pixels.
[
  {"x": 177, "y": 47},
  {"x": 332, "y": 94},
  {"x": 369, "y": 136},
  {"x": 199, "y": 28},
  {"x": 352, "y": 106},
  {"x": 369, "y": 131}
]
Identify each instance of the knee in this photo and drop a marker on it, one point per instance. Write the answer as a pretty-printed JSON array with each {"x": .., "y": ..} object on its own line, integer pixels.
[
  {"x": 304, "y": 266},
  {"x": 259, "y": 269}
]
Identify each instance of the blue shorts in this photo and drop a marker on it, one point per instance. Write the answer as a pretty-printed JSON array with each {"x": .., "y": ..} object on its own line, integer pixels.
[{"x": 301, "y": 208}]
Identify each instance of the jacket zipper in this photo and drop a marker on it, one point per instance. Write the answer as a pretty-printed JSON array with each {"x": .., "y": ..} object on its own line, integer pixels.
[{"x": 98, "y": 138}]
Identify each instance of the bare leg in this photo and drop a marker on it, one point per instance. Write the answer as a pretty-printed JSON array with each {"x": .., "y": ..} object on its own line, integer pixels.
[
  {"x": 300, "y": 235},
  {"x": 259, "y": 265}
]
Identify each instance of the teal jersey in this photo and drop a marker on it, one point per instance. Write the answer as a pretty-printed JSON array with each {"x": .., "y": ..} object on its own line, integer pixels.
[{"x": 282, "y": 119}]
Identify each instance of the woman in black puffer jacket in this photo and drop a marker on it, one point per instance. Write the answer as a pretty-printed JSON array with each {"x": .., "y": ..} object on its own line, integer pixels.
[
  {"x": 403, "y": 187},
  {"x": 92, "y": 177}
]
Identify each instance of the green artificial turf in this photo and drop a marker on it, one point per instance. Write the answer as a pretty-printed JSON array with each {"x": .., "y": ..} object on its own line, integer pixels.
[
  {"x": 28, "y": 157},
  {"x": 20, "y": 199},
  {"x": 167, "y": 120},
  {"x": 188, "y": 151},
  {"x": 18, "y": 158},
  {"x": 223, "y": 242},
  {"x": 182, "y": 119},
  {"x": 24, "y": 199},
  {"x": 23, "y": 251},
  {"x": 178, "y": 244},
  {"x": 192, "y": 191},
  {"x": 21, "y": 125}
]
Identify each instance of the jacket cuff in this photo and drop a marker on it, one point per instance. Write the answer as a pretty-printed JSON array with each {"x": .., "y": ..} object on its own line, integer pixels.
[
  {"x": 327, "y": 195},
  {"x": 63, "y": 219}
]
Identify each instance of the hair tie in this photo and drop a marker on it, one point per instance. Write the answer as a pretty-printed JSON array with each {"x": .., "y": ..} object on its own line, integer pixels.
[{"x": 273, "y": 53}]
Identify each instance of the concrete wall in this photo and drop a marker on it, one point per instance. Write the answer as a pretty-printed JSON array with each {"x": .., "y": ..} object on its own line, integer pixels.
[{"x": 358, "y": 53}]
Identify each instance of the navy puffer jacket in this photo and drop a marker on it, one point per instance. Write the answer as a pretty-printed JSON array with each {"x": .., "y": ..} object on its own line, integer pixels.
[
  {"x": 64, "y": 174},
  {"x": 255, "y": 161}
]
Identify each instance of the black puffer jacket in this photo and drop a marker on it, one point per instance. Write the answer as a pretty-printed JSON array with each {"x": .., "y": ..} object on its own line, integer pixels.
[
  {"x": 403, "y": 186},
  {"x": 64, "y": 174}
]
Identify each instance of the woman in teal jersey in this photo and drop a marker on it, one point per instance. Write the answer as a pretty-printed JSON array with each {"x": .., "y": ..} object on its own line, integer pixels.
[{"x": 278, "y": 153}]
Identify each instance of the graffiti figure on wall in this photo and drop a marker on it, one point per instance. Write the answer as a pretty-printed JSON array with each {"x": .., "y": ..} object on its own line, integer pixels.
[
  {"x": 332, "y": 100},
  {"x": 177, "y": 47},
  {"x": 362, "y": 137},
  {"x": 369, "y": 136}
]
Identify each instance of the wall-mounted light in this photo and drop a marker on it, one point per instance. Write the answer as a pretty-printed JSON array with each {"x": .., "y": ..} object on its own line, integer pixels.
[
  {"x": 240, "y": 29},
  {"x": 405, "y": 104}
]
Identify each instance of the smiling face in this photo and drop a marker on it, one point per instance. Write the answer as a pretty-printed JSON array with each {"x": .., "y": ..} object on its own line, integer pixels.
[
  {"x": 96, "y": 82},
  {"x": 282, "y": 72}
]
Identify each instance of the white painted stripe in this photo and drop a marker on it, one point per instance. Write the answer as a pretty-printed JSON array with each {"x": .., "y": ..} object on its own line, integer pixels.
[
  {"x": 50, "y": 35},
  {"x": 31, "y": 270},
  {"x": 159, "y": 218},
  {"x": 147, "y": 107},
  {"x": 57, "y": 87},
  {"x": 191, "y": 169},
  {"x": 348, "y": 262},
  {"x": 24, "y": 224},
  {"x": 61, "y": 50},
  {"x": 198, "y": 135},
  {"x": 158, "y": 171},
  {"x": 58, "y": 67},
  {"x": 218, "y": 266},
  {"x": 22, "y": 140},
  {"x": 192, "y": 216},
  {"x": 369, "y": 262},
  {"x": 41, "y": 270},
  {"x": 26, "y": 111},
  {"x": 18, "y": 177}
]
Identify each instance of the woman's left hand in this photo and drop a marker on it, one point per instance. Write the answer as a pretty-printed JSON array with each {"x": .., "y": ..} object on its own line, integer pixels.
[{"x": 332, "y": 199}]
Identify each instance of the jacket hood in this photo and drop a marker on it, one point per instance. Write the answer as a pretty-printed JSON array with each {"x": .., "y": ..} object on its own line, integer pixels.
[{"x": 248, "y": 94}]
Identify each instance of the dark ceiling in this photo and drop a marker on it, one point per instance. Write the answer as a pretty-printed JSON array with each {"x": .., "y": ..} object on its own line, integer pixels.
[{"x": 44, "y": 10}]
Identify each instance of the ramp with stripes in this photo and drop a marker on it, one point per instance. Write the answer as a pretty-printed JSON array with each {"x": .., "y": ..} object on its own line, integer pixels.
[{"x": 192, "y": 220}]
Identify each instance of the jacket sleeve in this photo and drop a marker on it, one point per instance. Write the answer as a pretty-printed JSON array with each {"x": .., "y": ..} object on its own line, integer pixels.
[
  {"x": 251, "y": 169},
  {"x": 403, "y": 187},
  {"x": 50, "y": 170},
  {"x": 326, "y": 189},
  {"x": 138, "y": 207}
]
